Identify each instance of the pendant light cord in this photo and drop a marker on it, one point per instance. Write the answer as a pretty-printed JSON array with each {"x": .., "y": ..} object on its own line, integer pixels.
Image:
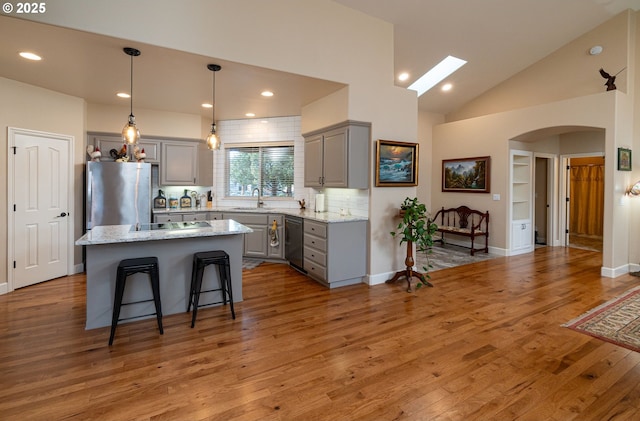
[
  {"x": 213, "y": 100},
  {"x": 131, "y": 87}
]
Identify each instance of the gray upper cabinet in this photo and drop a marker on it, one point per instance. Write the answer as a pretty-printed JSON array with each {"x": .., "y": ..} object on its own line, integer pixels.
[
  {"x": 108, "y": 142},
  {"x": 186, "y": 163},
  {"x": 182, "y": 162},
  {"x": 204, "y": 176},
  {"x": 179, "y": 163},
  {"x": 338, "y": 156}
]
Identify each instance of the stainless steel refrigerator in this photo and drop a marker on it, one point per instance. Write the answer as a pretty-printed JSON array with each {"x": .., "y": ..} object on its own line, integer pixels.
[{"x": 118, "y": 193}]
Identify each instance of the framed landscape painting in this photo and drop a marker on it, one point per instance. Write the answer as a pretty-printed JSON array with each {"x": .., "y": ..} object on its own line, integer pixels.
[
  {"x": 466, "y": 175},
  {"x": 396, "y": 164}
]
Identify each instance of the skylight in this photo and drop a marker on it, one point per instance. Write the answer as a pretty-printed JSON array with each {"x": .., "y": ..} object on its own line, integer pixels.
[{"x": 436, "y": 74}]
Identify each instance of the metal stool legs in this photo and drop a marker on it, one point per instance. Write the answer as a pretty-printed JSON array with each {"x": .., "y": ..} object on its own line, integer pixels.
[
  {"x": 200, "y": 262},
  {"x": 129, "y": 267}
]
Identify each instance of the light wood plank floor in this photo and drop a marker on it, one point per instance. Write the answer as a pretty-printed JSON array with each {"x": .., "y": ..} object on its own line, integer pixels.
[{"x": 484, "y": 344}]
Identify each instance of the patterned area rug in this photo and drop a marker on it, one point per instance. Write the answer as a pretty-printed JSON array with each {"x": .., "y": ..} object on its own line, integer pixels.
[
  {"x": 248, "y": 264},
  {"x": 616, "y": 321},
  {"x": 448, "y": 256}
]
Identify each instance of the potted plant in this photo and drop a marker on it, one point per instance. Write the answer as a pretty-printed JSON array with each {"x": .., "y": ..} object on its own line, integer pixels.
[{"x": 416, "y": 227}]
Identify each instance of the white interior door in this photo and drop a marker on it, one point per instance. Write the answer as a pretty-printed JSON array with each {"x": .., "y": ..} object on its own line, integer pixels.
[{"x": 40, "y": 207}]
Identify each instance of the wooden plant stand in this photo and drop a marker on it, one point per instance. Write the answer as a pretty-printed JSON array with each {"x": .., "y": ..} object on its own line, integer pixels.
[{"x": 409, "y": 272}]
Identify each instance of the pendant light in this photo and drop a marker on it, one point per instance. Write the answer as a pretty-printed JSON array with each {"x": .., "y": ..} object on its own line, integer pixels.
[
  {"x": 130, "y": 133},
  {"x": 213, "y": 141}
]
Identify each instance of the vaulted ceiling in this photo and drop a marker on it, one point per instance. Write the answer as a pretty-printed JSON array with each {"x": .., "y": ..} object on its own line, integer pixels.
[{"x": 498, "y": 38}]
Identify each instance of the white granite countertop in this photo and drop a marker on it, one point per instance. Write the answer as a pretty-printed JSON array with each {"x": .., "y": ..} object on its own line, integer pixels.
[
  {"x": 112, "y": 234},
  {"x": 328, "y": 217}
]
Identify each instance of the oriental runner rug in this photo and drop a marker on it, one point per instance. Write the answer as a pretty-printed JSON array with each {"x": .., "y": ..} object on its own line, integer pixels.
[{"x": 616, "y": 321}]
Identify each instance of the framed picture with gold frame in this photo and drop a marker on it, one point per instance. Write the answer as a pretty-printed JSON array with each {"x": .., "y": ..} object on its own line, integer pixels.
[
  {"x": 469, "y": 175},
  {"x": 396, "y": 164}
]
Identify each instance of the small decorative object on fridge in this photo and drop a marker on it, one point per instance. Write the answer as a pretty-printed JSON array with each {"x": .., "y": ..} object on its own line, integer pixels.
[
  {"x": 94, "y": 153},
  {"x": 185, "y": 200},
  {"x": 160, "y": 202},
  {"x": 139, "y": 154}
]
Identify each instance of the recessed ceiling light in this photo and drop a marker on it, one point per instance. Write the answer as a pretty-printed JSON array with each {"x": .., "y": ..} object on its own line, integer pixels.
[
  {"x": 267, "y": 93},
  {"x": 123, "y": 95},
  {"x": 206, "y": 105},
  {"x": 250, "y": 114},
  {"x": 447, "y": 87},
  {"x": 434, "y": 76},
  {"x": 403, "y": 76},
  {"x": 30, "y": 56}
]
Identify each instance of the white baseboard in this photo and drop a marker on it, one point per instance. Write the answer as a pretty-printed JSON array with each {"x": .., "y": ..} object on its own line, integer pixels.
[
  {"x": 4, "y": 288},
  {"x": 615, "y": 272},
  {"x": 379, "y": 278},
  {"x": 78, "y": 268}
]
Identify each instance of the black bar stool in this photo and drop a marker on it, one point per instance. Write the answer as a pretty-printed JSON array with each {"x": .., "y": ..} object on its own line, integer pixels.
[
  {"x": 200, "y": 261},
  {"x": 129, "y": 267}
]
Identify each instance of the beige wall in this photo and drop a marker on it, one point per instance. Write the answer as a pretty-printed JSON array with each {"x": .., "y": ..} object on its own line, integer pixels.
[
  {"x": 491, "y": 136},
  {"x": 110, "y": 119},
  {"x": 568, "y": 72},
  {"x": 426, "y": 169},
  {"x": 29, "y": 107},
  {"x": 316, "y": 38}
]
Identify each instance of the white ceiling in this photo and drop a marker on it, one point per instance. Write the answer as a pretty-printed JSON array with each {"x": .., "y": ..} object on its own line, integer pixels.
[{"x": 498, "y": 38}]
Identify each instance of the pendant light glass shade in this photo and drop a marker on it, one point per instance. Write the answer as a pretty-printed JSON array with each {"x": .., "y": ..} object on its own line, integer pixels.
[
  {"x": 213, "y": 141},
  {"x": 131, "y": 133}
]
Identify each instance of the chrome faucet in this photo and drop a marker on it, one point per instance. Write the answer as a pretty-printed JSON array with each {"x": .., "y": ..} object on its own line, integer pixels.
[{"x": 260, "y": 202}]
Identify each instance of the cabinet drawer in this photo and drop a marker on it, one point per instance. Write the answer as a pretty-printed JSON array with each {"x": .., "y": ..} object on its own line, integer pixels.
[
  {"x": 214, "y": 215},
  {"x": 175, "y": 217},
  {"x": 314, "y": 269},
  {"x": 315, "y": 228},
  {"x": 315, "y": 242},
  {"x": 248, "y": 218},
  {"x": 200, "y": 216},
  {"x": 315, "y": 256}
]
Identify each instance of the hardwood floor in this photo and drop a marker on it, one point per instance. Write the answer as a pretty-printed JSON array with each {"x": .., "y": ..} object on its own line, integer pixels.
[{"x": 484, "y": 344}]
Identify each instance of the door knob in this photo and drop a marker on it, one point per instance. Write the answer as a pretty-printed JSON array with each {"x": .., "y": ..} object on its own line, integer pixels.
[{"x": 62, "y": 215}]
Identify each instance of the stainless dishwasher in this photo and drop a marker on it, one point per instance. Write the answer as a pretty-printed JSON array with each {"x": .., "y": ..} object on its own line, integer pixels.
[{"x": 293, "y": 241}]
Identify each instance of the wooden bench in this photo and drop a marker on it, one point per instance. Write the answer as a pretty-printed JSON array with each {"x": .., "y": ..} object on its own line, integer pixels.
[{"x": 465, "y": 222}]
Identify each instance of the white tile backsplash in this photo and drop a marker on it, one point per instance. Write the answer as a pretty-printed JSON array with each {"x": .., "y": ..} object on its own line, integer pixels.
[{"x": 355, "y": 202}]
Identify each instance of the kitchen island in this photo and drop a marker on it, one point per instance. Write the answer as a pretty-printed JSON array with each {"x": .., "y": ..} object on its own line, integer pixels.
[{"x": 174, "y": 245}]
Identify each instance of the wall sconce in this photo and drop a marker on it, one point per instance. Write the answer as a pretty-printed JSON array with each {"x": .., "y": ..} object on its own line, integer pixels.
[{"x": 634, "y": 190}]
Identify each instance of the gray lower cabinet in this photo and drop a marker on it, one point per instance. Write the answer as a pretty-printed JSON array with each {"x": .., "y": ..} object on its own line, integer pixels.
[
  {"x": 179, "y": 217},
  {"x": 167, "y": 217},
  {"x": 335, "y": 254},
  {"x": 214, "y": 215},
  {"x": 260, "y": 243}
]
